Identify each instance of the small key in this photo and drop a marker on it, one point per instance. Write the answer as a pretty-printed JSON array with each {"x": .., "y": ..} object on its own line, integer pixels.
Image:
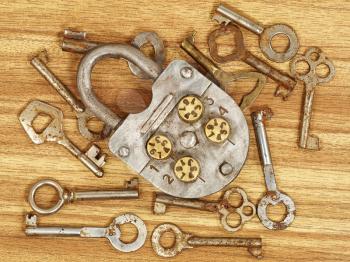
[
  {"x": 225, "y": 78},
  {"x": 54, "y": 133},
  {"x": 266, "y": 34},
  {"x": 185, "y": 240},
  {"x": 65, "y": 196},
  {"x": 311, "y": 80},
  {"x": 286, "y": 82},
  {"x": 76, "y": 42},
  {"x": 112, "y": 232},
  {"x": 273, "y": 196},
  {"x": 223, "y": 207},
  {"x": 83, "y": 114}
]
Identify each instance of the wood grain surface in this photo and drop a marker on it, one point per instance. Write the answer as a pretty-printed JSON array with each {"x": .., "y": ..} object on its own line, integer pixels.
[{"x": 318, "y": 182}]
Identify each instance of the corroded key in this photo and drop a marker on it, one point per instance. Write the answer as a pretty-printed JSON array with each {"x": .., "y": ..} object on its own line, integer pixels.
[
  {"x": 225, "y": 78},
  {"x": 286, "y": 82},
  {"x": 311, "y": 80},
  {"x": 67, "y": 196},
  {"x": 223, "y": 207},
  {"x": 186, "y": 240},
  {"x": 54, "y": 133},
  {"x": 84, "y": 115}
]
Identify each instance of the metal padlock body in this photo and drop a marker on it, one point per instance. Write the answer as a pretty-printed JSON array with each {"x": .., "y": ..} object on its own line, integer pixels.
[{"x": 129, "y": 140}]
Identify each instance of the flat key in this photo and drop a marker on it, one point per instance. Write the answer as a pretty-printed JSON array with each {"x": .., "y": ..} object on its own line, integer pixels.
[
  {"x": 66, "y": 196},
  {"x": 222, "y": 77},
  {"x": 266, "y": 34},
  {"x": 222, "y": 207},
  {"x": 311, "y": 80},
  {"x": 273, "y": 196},
  {"x": 185, "y": 240},
  {"x": 286, "y": 82},
  {"x": 112, "y": 232},
  {"x": 53, "y": 132},
  {"x": 83, "y": 114}
]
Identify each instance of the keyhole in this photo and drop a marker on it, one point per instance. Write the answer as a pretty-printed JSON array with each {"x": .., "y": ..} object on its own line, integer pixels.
[
  {"x": 128, "y": 233},
  {"x": 41, "y": 122},
  {"x": 280, "y": 43},
  {"x": 277, "y": 213},
  {"x": 95, "y": 125},
  {"x": 167, "y": 240},
  {"x": 46, "y": 197}
]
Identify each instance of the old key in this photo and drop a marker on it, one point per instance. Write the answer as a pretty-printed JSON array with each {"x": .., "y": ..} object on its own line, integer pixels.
[
  {"x": 223, "y": 207},
  {"x": 273, "y": 196},
  {"x": 186, "y": 240},
  {"x": 286, "y": 83},
  {"x": 54, "y": 133},
  {"x": 67, "y": 196},
  {"x": 314, "y": 57}
]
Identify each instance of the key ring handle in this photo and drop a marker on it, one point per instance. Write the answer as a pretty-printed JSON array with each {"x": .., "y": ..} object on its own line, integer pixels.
[{"x": 51, "y": 210}]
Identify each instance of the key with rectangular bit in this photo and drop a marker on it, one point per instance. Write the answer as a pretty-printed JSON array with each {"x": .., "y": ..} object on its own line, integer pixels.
[
  {"x": 186, "y": 240},
  {"x": 111, "y": 232},
  {"x": 311, "y": 80},
  {"x": 83, "y": 114},
  {"x": 53, "y": 132},
  {"x": 245, "y": 210},
  {"x": 285, "y": 82},
  {"x": 66, "y": 196}
]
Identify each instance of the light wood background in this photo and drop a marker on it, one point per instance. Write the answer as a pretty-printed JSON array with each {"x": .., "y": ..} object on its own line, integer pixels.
[{"x": 318, "y": 182}]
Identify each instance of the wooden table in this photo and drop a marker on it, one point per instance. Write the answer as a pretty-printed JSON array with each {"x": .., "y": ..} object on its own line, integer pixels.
[{"x": 318, "y": 182}]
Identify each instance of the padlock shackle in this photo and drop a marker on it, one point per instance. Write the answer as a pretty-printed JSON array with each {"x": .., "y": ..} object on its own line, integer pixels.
[{"x": 87, "y": 64}]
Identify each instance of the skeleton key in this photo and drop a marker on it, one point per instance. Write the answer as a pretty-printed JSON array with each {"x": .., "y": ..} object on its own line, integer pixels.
[
  {"x": 225, "y": 78},
  {"x": 223, "y": 207},
  {"x": 266, "y": 34},
  {"x": 76, "y": 42},
  {"x": 273, "y": 195},
  {"x": 66, "y": 196},
  {"x": 54, "y": 133},
  {"x": 83, "y": 114},
  {"x": 311, "y": 80},
  {"x": 286, "y": 83},
  {"x": 111, "y": 232},
  {"x": 186, "y": 240}
]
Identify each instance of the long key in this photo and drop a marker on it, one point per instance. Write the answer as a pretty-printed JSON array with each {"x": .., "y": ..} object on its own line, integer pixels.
[
  {"x": 222, "y": 207},
  {"x": 286, "y": 82},
  {"x": 66, "y": 196},
  {"x": 54, "y": 133},
  {"x": 83, "y": 114},
  {"x": 112, "y": 232},
  {"x": 311, "y": 80},
  {"x": 222, "y": 77},
  {"x": 186, "y": 240},
  {"x": 273, "y": 196},
  {"x": 266, "y": 34}
]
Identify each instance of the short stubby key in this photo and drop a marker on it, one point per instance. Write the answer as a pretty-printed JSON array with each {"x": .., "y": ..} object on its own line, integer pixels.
[
  {"x": 111, "y": 232},
  {"x": 53, "y": 132},
  {"x": 311, "y": 80},
  {"x": 84, "y": 115},
  {"x": 273, "y": 195},
  {"x": 186, "y": 240},
  {"x": 66, "y": 196},
  {"x": 225, "y": 78},
  {"x": 76, "y": 42},
  {"x": 266, "y": 34},
  {"x": 245, "y": 210},
  {"x": 286, "y": 82}
]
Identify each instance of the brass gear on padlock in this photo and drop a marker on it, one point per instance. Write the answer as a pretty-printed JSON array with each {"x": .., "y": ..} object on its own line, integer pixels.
[
  {"x": 190, "y": 108},
  {"x": 159, "y": 147},
  {"x": 217, "y": 130},
  {"x": 187, "y": 169}
]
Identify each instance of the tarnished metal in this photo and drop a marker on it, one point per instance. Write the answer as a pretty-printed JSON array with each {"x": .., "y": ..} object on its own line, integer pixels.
[
  {"x": 225, "y": 78},
  {"x": 286, "y": 82},
  {"x": 67, "y": 196},
  {"x": 53, "y": 132},
  {"x": 273, "y": 196},
  {"x": 185, "y": 240},
  {"x": 314, "y": 57},
  {"x": 112, "y": 232},
  {"x": 266, "y": 34},
  {"x": 223, "y": 207},
  {"x": 83, "y": 115}
]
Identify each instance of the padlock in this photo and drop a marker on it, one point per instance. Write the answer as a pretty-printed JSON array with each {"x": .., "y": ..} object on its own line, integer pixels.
[{"x": 190, "y": 142}]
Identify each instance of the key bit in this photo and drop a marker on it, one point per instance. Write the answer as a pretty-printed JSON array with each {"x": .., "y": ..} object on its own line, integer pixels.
[{"x": 94, "y": 153}]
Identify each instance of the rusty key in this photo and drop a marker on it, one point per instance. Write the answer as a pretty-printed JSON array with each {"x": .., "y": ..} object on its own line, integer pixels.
[{"x": 286, "y": 82}]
